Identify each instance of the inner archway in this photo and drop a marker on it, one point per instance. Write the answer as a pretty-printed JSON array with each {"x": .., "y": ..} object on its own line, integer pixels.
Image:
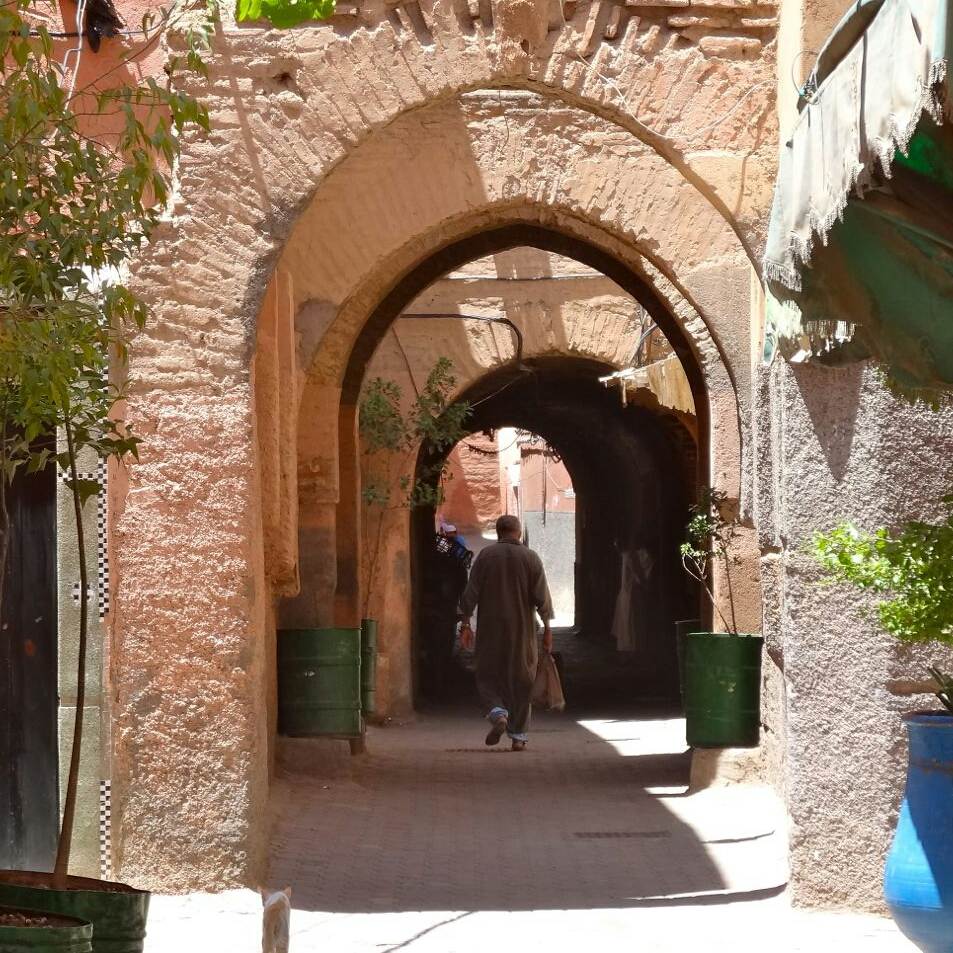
[
  {"x": 633, "y": 470},
  {"x": 569, "y": 376}
]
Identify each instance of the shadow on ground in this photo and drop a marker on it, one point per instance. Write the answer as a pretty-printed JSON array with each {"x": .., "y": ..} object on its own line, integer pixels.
[{"x": 432, "y": 819}]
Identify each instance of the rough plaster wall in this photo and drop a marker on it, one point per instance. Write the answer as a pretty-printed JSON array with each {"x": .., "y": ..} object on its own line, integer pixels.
[
  {"x": 834, "y": 444},
  {"x": 803, "y": 29},
  {"x": 473, "y": 492},
  {"x": 276, "y": 405},
  {"x": 556, "y": 545},
  {"x": 190, "y": 670}
]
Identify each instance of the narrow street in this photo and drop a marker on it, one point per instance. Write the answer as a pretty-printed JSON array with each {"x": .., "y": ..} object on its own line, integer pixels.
[{"x": 590, "y": 838}]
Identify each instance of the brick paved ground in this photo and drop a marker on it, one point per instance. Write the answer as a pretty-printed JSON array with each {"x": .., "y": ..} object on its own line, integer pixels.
[{"x": 434, "y": 842}]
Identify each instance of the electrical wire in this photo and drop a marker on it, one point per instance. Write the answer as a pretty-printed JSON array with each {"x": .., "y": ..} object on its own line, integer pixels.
[
  {"x": 139, "y": 31},
  {"x": 78, "y": 50},
  {"x": 495, "y": 393},
  {"x": 473, "y": 317}
]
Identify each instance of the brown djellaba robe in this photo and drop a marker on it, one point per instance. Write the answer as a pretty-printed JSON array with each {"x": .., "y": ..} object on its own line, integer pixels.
[{"x": 508, "y": 583}]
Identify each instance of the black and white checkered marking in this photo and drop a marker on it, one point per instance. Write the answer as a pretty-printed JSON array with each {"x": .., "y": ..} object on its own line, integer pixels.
[
  {"x": 105, "y": 829},
  {"x": 101, "y": 593}
]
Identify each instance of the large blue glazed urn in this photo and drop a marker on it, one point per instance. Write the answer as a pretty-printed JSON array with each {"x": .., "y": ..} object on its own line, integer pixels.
[{"x": 918, "y": 882}]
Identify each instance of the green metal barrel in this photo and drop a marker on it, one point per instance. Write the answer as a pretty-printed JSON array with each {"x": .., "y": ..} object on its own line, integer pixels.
[
  {"x": 117, "y": 912},
  {"x": 682, "y": 628},
  {"x": 319, "y": 682},
  {"x": 369, "y": 665},
  {"x": 43, "y": 932},
  {"x": 722, "y": 690}
]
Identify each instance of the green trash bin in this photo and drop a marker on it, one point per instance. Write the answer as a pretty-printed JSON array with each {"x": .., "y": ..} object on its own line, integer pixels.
[
  {"x": 319, "y": 682},
  {"x": 32, "y": 931},
  {"x": 722, "y": 690},
  {"x": 682, "y": 628},
  {"x": 369, "y": 665},
  {"x": 117, "y": 912}
]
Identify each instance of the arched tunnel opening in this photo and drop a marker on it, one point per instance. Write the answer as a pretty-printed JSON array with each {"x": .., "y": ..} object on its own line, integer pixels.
[
  {"x": 531, "y": 319},
  {"x": 634, "y": 473}
]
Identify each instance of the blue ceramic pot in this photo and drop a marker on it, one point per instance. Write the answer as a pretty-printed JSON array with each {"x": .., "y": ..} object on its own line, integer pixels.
[{"x": 918, "y": 882}]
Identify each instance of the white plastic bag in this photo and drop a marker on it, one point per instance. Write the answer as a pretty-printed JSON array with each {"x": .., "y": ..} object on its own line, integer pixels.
[{"x": 547, "y": 689}]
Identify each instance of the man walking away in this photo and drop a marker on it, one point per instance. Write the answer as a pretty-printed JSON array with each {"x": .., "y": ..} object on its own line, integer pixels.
[{"x": 508, "y": 583}]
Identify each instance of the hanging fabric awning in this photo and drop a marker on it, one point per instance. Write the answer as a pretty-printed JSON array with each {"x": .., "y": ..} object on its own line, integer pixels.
[{"x": 859, "y": 259}]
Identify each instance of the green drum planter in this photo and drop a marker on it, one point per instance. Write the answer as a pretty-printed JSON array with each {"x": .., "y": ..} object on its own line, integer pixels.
[
  {"x": 37, "y": 931},
  {"x": 369, "y": 666},
  {"x": 319, "y": 683},
  {"x": 117, "y": 912},
  {"x": 682, "y": 628},
  {"x": 723, "y": 690}
]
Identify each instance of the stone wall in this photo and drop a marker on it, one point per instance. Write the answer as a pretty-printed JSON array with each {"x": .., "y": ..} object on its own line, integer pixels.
[{"x": 346, "y": 157}]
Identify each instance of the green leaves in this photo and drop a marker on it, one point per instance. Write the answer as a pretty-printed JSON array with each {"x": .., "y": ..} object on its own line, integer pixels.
[
  {"x": 285, "y": 13},
  {"x": 912, "y": 570},
  {"x": 385, "y": 427},
  {"x": 944, "y": 686},
  {"x": 75, "y": 208},
  {"x": 710, "y": 536}
]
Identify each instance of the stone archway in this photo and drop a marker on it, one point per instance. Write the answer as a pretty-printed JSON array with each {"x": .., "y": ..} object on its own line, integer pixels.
[
  {"x": 336, "y": 591},
  {"x": 295, "y": 218}
]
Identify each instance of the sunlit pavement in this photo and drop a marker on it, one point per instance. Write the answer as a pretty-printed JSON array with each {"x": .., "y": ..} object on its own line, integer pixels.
[{"x": 589, "y": 840}]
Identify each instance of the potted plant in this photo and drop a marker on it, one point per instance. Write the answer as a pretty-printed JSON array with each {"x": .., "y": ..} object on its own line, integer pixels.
[
  {"x": 76, "y": 210},
  {"x": 36, "y": 931},
  {"x": 391, "y": 433},
  {"x": 911, "y": 574},
  {"x": 723, "y": 668},
  {"x": 326, "y": 677}
]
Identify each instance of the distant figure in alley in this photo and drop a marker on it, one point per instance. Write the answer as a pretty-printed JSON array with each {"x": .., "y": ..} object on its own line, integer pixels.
[{"x": 508, "y": 584}]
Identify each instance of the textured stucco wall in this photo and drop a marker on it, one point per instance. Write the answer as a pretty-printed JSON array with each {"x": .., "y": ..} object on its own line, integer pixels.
[{"x": 832, "y": 445}]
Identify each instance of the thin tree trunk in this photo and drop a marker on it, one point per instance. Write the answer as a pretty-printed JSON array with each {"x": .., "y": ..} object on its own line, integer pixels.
[
  {"x": 61, "y": 868},
  {"x": 4, "y": 513},
  {"x": 731, "y": 595},
  {"x": 372, "y": 560}
]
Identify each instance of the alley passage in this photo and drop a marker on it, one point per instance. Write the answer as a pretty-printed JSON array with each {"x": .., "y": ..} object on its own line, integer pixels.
[
  {"x": 593, "y": 814},
  {"x": 588, "y": 841}
]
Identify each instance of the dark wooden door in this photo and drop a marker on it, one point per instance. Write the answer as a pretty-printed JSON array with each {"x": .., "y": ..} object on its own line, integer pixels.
[{"x": 28, "y": 698}]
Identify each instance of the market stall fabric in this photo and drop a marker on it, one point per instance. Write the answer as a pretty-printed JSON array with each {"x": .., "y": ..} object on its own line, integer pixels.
[{"x": 859, "y": 258}]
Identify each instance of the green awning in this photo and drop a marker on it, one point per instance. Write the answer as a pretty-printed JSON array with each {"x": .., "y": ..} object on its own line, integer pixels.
[{"x": 859, "y": 259}]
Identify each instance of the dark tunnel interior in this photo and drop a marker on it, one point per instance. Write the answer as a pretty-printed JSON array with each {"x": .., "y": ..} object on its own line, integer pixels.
[{"x": 634, "y": 471}]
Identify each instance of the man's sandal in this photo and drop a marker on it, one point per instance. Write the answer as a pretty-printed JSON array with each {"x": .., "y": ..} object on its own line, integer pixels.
[
  {"x": 519, "y": 745},
  {"x": 496, "y": 732}
]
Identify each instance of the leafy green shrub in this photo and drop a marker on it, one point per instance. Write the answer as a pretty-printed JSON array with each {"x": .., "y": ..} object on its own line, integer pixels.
[
  {"x": 390, "y": 435},
  {"x": 76, "y": 209},
  {"x": 711, "y": 533},
  {"x": 912, "y": 572}
]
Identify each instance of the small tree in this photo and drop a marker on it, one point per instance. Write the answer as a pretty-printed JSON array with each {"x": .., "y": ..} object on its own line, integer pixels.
[
  {"x": 711, "y": 534},
  {"x": 911, "y": 572},
  {"x": 76, "y": 209},
  {"x": 390, "y": 435}
]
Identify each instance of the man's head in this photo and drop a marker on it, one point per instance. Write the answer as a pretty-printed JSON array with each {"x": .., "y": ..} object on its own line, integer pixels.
[{"x": 508, "y": 527}]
